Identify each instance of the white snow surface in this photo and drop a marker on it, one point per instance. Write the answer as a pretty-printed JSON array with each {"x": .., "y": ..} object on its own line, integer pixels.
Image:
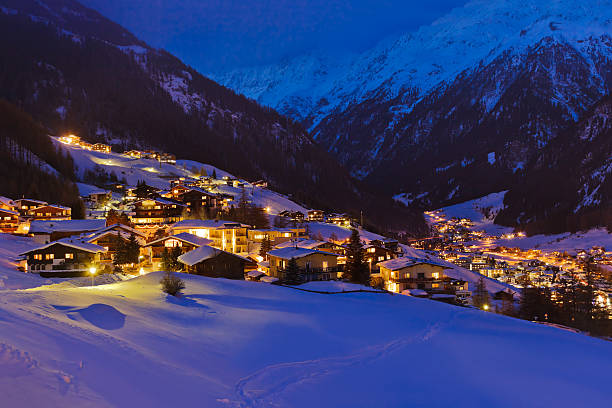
[
  {"x": 566, "y": 242},
  {"x": 248, "y": 344}
]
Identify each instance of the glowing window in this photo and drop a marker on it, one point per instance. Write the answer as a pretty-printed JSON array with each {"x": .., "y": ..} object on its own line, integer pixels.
[{"x": 69, "y": 256}]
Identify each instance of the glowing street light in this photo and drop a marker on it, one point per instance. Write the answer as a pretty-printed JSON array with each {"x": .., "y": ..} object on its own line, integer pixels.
[
  {"x": 485, "y": 307},
  {"x": 92, "y": 272}
]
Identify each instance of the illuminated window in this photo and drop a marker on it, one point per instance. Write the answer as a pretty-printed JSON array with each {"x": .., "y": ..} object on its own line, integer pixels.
[
  {"x": 371, "y": 250},
  {"x": 381, "y": 258},
  {"x": 171, "y": 243},
  {"x": 435, "y": 285},
  {"x": 435, "y": 275},
  {"x": 49, "y": 256},
  {"x": 392, "y": 274},
  {"x": 324, "y": 265},
  {"x": 69, "y": 256}
]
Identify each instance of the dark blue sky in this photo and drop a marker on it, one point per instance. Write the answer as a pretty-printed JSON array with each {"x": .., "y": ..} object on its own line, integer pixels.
[{"x": 213, "y": 35}]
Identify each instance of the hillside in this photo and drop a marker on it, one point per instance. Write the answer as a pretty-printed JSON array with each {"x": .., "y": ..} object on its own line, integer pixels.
[
  {"x": 462, "y": 112},
  {"x": 247, "y": 344},
  {"x": 75, "y": 71}
]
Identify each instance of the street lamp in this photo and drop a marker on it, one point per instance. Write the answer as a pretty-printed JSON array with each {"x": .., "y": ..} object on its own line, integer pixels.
[
  {"x": 485, "y": 307},
  {"x": 92, "y": 272}
]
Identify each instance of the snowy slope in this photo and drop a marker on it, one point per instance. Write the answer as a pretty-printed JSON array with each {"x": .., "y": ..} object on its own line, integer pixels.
[
  {"x": 247, "y": 344},
  {"x": 154, "y": 174}
]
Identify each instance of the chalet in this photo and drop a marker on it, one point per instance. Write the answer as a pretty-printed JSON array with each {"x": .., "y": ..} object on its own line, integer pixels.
[
  {"x": 412, "y": 273},
  {"x": 198, "y": 200},
  {"x": 9, "y": 221},
  {"x": 150, "y": 154},
  {"x": 184, "y": 240},
  {"x": 157, "y": 211},
  {"x": 47, "y": 231},
  {"x": 86, "y": 146},
  {"x": 214, "y": 262},
  {"x": 226, "y": 235},
  {"x": 50, "y": 212},
  {"x": 63, "y": 258},
  {"x": 142, "y": 191},
  {"x": 24, "y": 205},
  {"x": 167, "y": 158},
  {"x": 313, "y": 264},
  {"x": 111, "y": 239},
  {"x": 374, "y": 254},
  {"x": 176, "y": 191},
  {"x": 100, "y": 147},
  {"x": 388, "y": 243},
  {"x": 297, "y": 216},
  {"x": 7, "y": 204},
  {"x": 276, "y": 235},
  {"x": 342, "y": 220},
  {"x": 315, "y": 216},
  {"x": 99, "y": 197}
]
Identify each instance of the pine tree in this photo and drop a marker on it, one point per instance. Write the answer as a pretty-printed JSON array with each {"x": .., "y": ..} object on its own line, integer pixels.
[
  {"x": 266, "y": 246},
  {"x": 480, "y": 299},
  {"x": 355, "y": 268},
  {"x": 214, "y": 174},
  {"x": 170, "y": 260},
  {"x": 293, "y": 275}
]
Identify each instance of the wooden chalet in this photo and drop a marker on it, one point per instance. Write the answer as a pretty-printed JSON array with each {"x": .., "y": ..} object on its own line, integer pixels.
[
  {"x": 374, "y": 254},
  {"x": 155, "y": 211},
  {"x": 50, "y": 212},
  {"x": 9, "y": 220},
  {"x": 184, "y": 240},
  {"x": 112, "y": 238},
  {"x": 198, "y": 200},
  {"x": 315, "y": 216},
  {"x": 314, "y": 265},
  {"x": 413, "y": 273},
  {"x": 215, "y": 263},
  {"x": 63, "y": 258},
  {"x": 24, "y": 205}
]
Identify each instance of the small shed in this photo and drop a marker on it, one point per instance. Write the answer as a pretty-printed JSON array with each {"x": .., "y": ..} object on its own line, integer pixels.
[{"x": 213, "y": 262}]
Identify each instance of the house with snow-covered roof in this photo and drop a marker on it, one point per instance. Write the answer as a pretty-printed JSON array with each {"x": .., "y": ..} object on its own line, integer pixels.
[
  {"x": 226, "y": 235},
  {"x": 9, "y": 220},
  {"x": 45, "y": 231},
  {"x": 157, "y": 211},
  {"x": 50, "y": 212},
  {"x": 63, "y": 258},
  {"x": 185, "y": 241},
  {"x": 23, "y": 205},
  {"x": 408, "y": 272},
  {"x": 215, "y": 263},
  {"x": 313, "y": 263},
  {"x": 7, "y": 204}
]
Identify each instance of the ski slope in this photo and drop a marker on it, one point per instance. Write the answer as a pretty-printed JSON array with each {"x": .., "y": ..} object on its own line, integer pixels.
[{"x": 248, "y": 344}]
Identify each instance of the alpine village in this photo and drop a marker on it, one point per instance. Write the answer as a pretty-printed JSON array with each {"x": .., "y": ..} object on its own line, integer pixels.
[{"x": 339, "y": 225}]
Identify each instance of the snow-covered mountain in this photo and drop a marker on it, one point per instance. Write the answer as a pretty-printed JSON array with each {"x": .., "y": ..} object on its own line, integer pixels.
[
  {"x": 75, "y": 71},
  {"x": 459, "y": 106}
]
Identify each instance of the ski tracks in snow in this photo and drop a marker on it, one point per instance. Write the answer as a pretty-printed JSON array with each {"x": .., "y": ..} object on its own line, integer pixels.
[{"x": 264, "y": 387}]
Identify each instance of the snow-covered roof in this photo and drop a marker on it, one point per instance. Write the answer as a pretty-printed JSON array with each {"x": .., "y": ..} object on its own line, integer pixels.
[
  {"x": 47, "y": 227},
  {"x": 203, "y": 253},
  {"x": 185, "y": 237},
  {"x": 268, "y": 279},
  {"x": 124, "y": 227},
  {"x": 407, "y": 261},
  {"x": 210, "y": 224},
  {"x": 255, "y": 274},
  {"x": 61, "y": 207},
  {"x": 73, "y": 243},
  {"x": 31, "y": 200},
  {"x": 162, "y": 201},
  {"x": 4, "y": 210},
  {"x": 6, "y": 201},
  {"x": 302, "y": 243},
  {"x": 292, "y": 252},
  {"x": 414, "y": 292}
]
